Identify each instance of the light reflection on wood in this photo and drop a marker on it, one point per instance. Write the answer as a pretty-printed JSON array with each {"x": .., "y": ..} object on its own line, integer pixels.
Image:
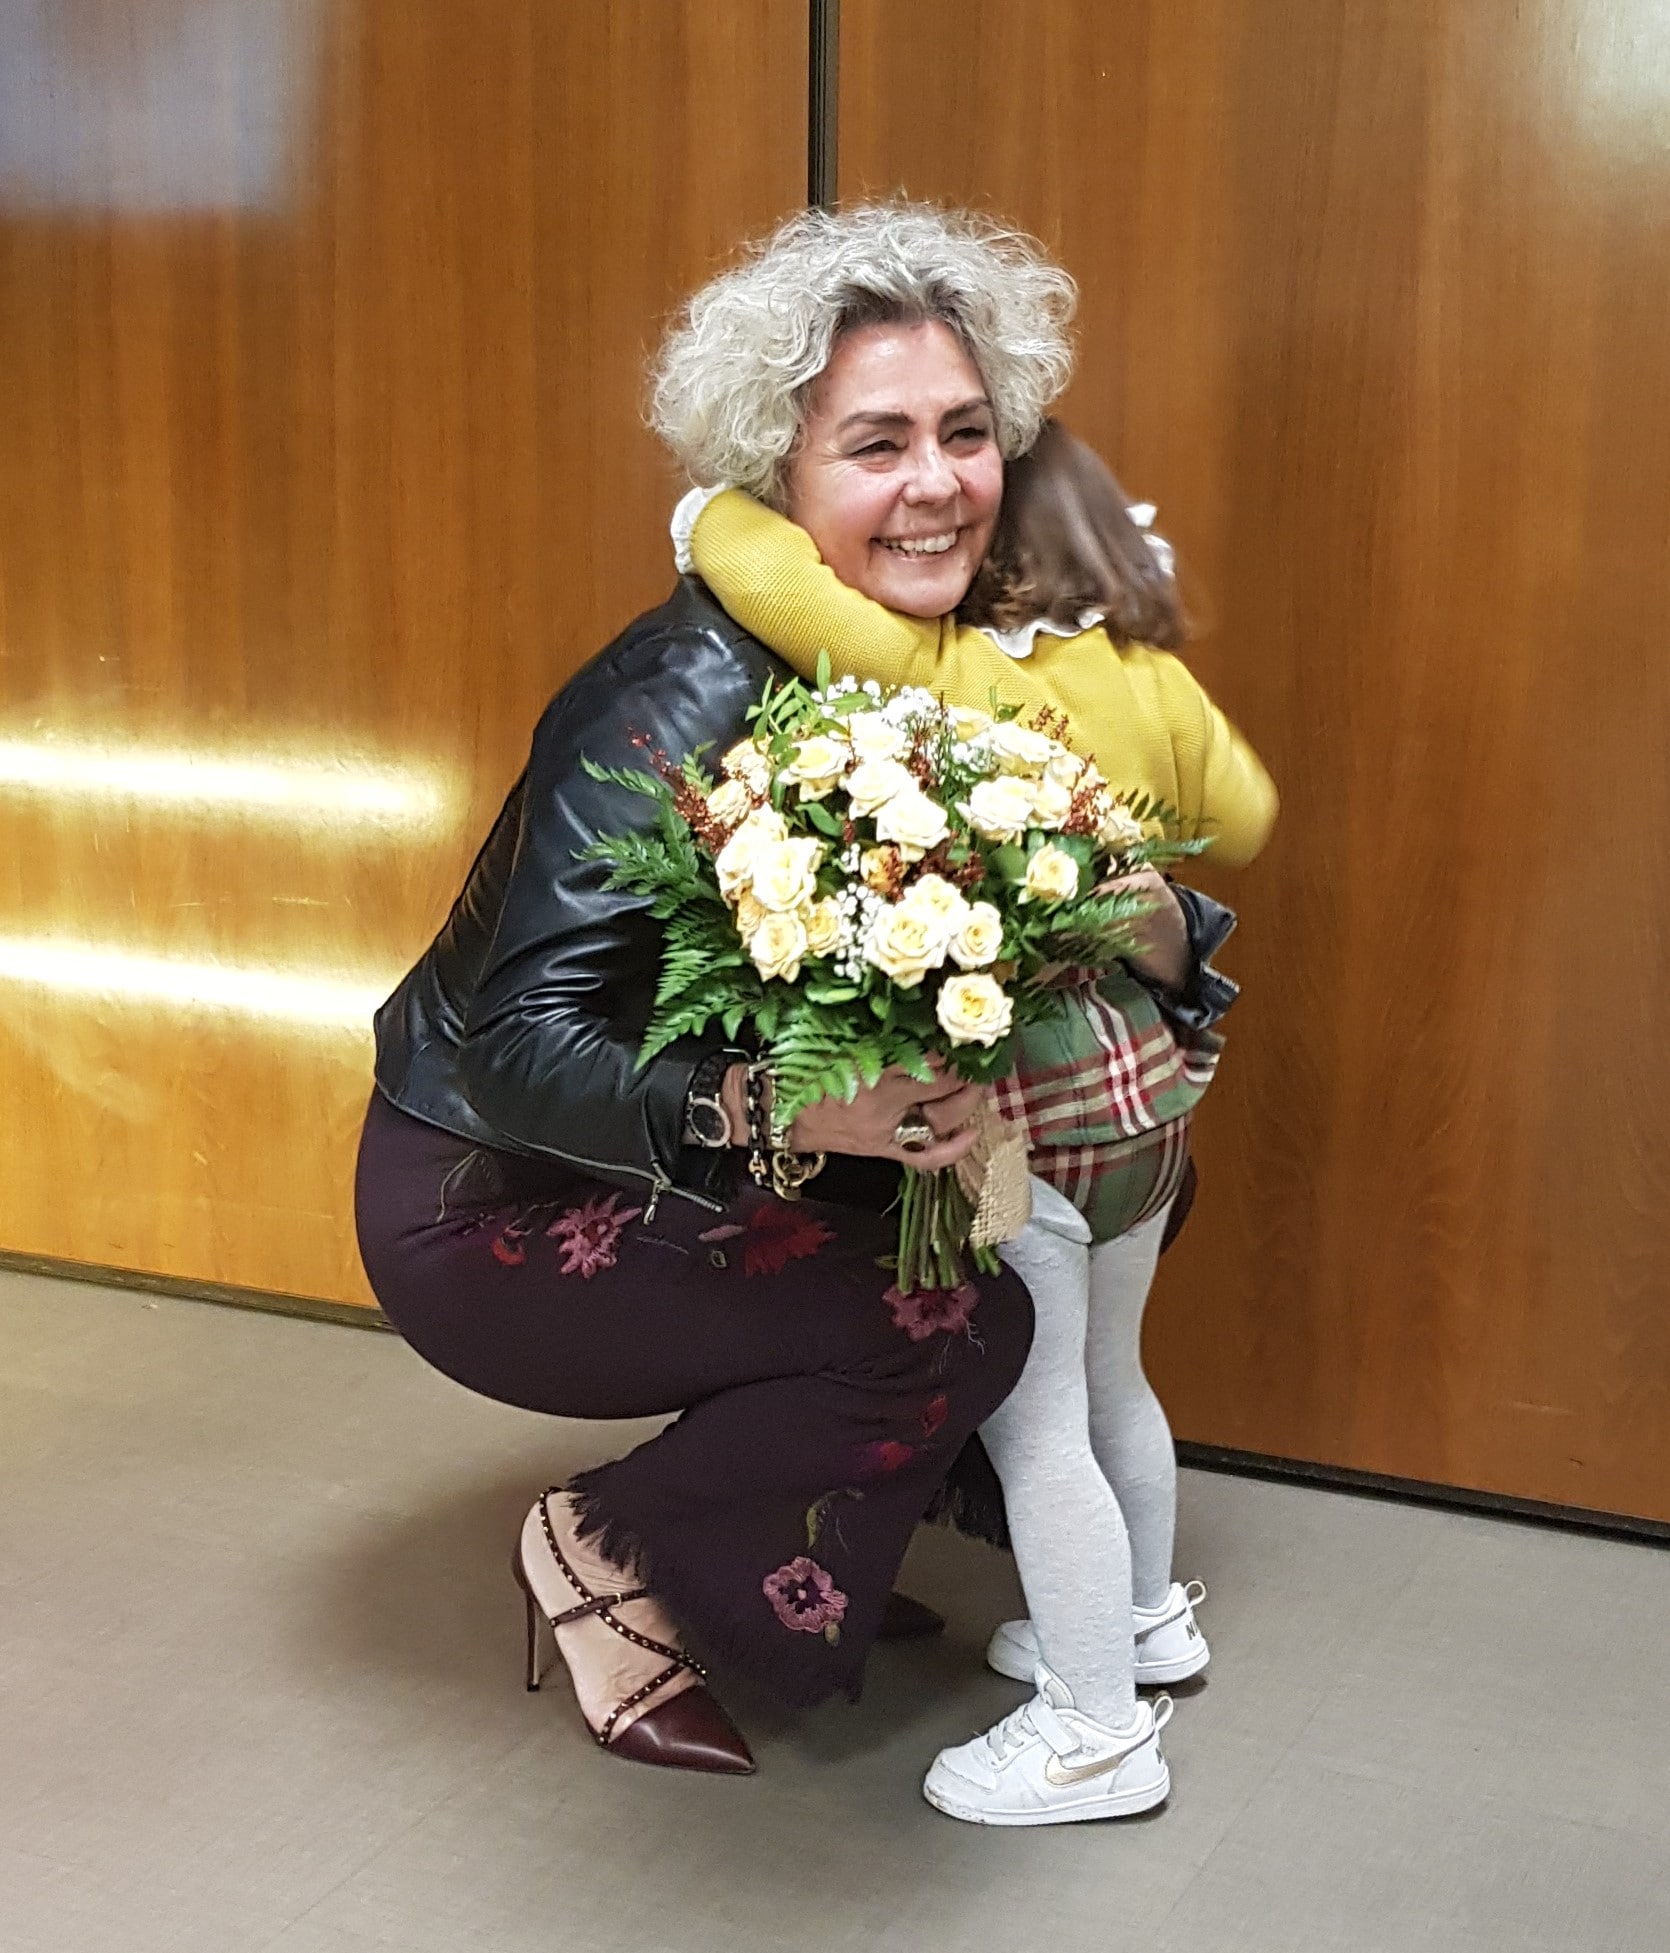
[{"x": 357, "y": 473}]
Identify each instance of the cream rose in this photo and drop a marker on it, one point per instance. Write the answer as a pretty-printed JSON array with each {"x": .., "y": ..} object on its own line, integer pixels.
[
  {"x": 969, "y": 722},
  {"x": 875, "y": 738},
  {"x": 817, "y": 764},
  {"x": 750, "y": 913},
  {"x": 1065, "y": 769},
  {"x": 822, "y": 922},
  {"x": 875, "y": 782},
  {"x": 785, "y": 874},
  {"x": 978, "y": 940},
  {"x": 777, "y": 947},
  {"x": 1001, "y": 809},
  {"x": 933, "y": 895},
  {"x": 730, "y": 802},
  {"x": 941, "y": 906},
  {"x": 1052, "y": 875},
  {"x": 973, "y": 1009},
  {"x": 880, "y": 868},
  {"x": 1051, "y": 802},
  {"x": 745, "y": 762},
  {"x": 1120, "y": 828},
  {"x": 734, "y": 862},
  {"x": 904, "y": 945},
  {"x": 913, "y": 823},
  {"x": 1019, "y": 749}
]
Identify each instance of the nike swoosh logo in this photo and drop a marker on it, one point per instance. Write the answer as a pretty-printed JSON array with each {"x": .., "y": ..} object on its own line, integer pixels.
[{"x": 1062, "y": 1774}]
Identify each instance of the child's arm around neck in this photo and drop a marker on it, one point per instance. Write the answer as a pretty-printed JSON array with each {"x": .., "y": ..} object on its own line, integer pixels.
[{"x": 768, "y": 574}]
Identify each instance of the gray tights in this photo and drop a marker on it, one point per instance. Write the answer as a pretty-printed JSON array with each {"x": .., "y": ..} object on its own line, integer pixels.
[{"x": 1085, "y": 1454}]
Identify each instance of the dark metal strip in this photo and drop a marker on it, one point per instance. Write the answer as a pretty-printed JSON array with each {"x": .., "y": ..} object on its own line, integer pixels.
[
  {"x": 1416, "y": 1491},
  {"x": 823, "y": 77}
]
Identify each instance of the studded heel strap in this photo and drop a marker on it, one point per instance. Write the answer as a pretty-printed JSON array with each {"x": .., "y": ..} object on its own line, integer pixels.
[{"x": 600, "y": 1607}]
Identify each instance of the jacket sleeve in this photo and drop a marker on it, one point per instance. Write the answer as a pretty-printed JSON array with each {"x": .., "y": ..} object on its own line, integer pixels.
[
  {"x": 1207, "y": 993},
  {"x": 549, "y": 1053},
  {"x": 768, "y": 574}
]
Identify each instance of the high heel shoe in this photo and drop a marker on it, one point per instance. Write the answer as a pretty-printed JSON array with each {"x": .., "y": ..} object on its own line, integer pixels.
[{"x": 689, "y": 1731}]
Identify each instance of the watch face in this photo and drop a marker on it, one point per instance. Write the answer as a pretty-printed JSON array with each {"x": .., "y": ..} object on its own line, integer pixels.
[{"x": 707, "y": 1122}]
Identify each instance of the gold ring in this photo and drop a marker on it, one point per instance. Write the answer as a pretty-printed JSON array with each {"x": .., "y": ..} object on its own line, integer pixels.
[{"x": 913, "y": 1134}]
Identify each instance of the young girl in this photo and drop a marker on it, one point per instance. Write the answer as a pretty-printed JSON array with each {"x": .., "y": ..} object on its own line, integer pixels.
[{"x": 1066, "y": 614}]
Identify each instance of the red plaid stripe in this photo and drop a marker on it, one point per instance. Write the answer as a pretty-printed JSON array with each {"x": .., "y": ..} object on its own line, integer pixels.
[
  {"x": 1105, "y": 1093},
  {"x": 1119, "y": 1186},
  {"x": 1123, "y": 1072}
]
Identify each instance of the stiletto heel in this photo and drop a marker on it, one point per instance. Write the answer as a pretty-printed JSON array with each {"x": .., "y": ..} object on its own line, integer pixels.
[
  {"x": 536, "y": 1668},
  {"x": 688, "y": 1731}
]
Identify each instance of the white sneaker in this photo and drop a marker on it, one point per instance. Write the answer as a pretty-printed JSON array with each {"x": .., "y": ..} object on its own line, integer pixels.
[
  {"x": 1170, "y": 1645},
  {"x": 1046, "y": 1763}
]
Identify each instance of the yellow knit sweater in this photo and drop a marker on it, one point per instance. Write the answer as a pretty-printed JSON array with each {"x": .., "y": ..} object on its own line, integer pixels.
[{"x": 1137, "y": 712}]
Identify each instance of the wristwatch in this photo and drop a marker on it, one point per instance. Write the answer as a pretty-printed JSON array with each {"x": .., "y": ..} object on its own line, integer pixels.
[{"x": 706, "y": 1122}]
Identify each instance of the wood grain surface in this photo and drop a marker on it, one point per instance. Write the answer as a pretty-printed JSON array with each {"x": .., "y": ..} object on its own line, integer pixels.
[
  {"x": 323, "y": 325},
  {"x": 1374, "y": 302}
]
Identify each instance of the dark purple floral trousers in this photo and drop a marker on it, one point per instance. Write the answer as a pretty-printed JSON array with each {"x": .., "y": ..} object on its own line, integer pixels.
[{"x": 821, "y": 1412}]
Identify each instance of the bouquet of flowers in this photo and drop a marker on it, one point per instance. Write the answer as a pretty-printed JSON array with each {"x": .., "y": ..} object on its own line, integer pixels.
[{"x": 878, "y": 879}]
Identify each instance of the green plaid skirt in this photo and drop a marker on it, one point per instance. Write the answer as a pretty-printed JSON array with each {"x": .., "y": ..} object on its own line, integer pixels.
[{"x": 1105, "y": 1090}]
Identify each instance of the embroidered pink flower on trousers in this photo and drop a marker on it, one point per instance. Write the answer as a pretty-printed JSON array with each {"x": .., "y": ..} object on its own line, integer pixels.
[
  {"x": 589, "y": 1235},
  {"x": 804, "y": 1596},
  {"x": 926, "y": 1311},
  {"x": 887, "y": 1456}
]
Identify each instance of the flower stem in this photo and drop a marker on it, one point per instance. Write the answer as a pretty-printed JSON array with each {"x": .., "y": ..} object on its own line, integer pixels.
[{"x": 934, "y": 1219}]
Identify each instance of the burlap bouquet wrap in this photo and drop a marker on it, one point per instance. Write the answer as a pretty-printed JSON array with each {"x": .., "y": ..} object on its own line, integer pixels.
[{"x": 993, "y": 1174}]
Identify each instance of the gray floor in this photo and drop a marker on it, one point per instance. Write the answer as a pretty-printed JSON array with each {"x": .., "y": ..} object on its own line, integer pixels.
[{"x": 260, "y": 1660}]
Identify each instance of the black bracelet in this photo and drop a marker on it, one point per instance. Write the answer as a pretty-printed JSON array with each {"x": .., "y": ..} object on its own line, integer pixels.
[
  {"x": 709, "y": 1075},
  {"x": 759, "y": 1124}
]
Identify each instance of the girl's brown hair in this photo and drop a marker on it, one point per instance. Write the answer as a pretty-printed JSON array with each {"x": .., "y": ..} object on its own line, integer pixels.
[{"x": 1064, "y": 544}]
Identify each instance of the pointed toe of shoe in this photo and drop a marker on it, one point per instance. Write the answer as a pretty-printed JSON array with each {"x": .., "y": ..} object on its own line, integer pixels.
[{"x": 689, "y": 1732}]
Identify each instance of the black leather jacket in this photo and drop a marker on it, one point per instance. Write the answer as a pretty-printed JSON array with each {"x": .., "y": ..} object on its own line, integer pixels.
[{"x": 520, "y": 1025}]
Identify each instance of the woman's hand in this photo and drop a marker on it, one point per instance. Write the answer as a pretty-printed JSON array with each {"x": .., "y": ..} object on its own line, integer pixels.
[
  {"x": 1167, "y": 958},
  {"x": 867, "y": 1127}
]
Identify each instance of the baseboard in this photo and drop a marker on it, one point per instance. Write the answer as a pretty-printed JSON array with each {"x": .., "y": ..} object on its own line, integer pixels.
[
  {"x": 312, "y": 1307},
  {"x": 1416, "y": 1491}
]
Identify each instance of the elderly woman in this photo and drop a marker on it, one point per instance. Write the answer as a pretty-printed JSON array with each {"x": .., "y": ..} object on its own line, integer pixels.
[{"x": 556, "y": 1227}]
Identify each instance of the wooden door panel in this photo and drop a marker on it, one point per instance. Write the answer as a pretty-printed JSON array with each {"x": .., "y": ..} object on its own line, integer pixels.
[
  {"x": 1373, "y": 304},
  {"x": 325, "y": 323}
]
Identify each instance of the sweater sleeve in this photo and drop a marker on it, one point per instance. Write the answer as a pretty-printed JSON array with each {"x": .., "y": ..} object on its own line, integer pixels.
[
  {"x": 768, "y": 574},
  {"x": 1227, "y": 796}
]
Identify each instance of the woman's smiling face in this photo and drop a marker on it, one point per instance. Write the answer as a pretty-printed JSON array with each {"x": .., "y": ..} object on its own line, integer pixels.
[{"x": 897, "y": 478}]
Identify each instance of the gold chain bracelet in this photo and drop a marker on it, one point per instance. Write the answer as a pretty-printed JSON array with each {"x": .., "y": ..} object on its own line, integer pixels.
[{"x": 771, "y": 1160}]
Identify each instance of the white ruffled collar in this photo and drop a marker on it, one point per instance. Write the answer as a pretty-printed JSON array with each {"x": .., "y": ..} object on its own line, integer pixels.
[{"x": 1019, "y": 642}]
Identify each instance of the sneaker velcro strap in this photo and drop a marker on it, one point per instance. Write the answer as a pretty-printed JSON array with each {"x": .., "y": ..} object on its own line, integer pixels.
[{"x": 1053, "y": 1730}]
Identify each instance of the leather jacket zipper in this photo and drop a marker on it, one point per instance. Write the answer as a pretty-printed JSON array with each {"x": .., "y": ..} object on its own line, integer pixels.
[{"x": 659, "y": 1182}]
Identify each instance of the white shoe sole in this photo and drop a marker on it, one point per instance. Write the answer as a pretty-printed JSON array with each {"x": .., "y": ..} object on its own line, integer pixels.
[
  {"x": 952, "y": 1800},
  {"x": 1011, "y": 1658}
]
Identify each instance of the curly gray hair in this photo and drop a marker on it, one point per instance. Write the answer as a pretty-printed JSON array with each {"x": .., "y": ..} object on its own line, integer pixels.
[{"x": 729, "y": 386}]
